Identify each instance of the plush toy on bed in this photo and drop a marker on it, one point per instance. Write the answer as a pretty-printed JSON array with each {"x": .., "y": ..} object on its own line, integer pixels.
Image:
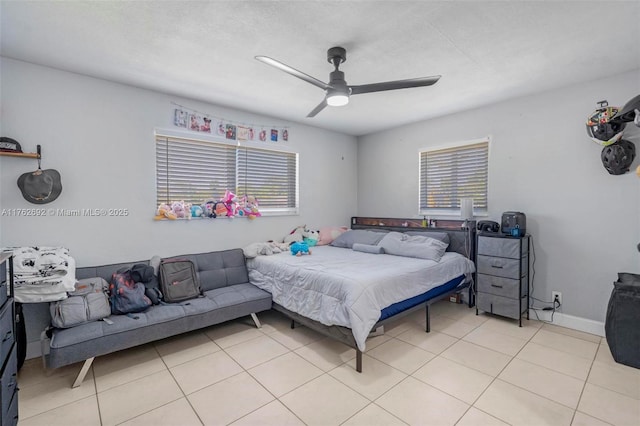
[
  {"x": 297, "y": 235},
  {"x": 298, "y": 249},
  {"x": 311, "y": 237}
]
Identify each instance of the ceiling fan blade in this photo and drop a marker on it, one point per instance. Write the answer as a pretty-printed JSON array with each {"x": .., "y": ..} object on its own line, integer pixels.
[
  {"x": 393, "y": 85},
  {"x": 317, "y": 109},
  {"x": 294, "y": 72}
]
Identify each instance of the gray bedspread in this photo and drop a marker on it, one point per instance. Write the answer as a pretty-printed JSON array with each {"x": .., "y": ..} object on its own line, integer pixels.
[{"x": 339, "y": 286}]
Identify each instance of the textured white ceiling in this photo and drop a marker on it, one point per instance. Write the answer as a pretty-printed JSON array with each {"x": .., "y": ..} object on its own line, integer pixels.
[{"x": 485, "y": 51}]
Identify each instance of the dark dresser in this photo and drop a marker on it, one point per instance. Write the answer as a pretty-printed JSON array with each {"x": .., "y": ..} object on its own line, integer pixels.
[{"x": 8, "y": 352}]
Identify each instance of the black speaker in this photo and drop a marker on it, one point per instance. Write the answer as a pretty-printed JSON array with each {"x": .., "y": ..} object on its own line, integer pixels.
[{"x": 512, "y": 220}]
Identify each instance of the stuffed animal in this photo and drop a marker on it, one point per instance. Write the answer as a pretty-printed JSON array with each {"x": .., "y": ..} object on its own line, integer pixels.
[
  {"x": 251, "y": 205},
  {"x": 220, "y": 209},
  {"x": 242, "y": 206},
  {"x": 297, "y": 235},
  {"x": 298, "y": 249},
  {"x": 164, "y": 212},
  {"x": 231, "y": 202},
  {"x": 248, "y": 207},
  {"x": 179, "y": 210},
  {"x": 311, "y": 237},
  {"x": 196, "y": 211},
  {"x": 209, "y": 208}
]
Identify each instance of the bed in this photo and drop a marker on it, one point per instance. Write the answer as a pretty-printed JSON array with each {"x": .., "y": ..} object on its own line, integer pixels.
[{"x": 346, "y": 293}]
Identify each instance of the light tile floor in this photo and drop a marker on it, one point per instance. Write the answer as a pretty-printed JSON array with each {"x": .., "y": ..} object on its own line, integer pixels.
[{"x": 470, "y": 370}]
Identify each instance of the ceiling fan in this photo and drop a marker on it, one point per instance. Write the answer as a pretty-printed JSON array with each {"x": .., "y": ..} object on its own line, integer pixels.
[{"x": 337, "y": 90}]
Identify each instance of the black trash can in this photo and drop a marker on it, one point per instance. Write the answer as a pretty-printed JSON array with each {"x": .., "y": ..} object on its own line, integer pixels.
[{"x": 622, "y": 324}]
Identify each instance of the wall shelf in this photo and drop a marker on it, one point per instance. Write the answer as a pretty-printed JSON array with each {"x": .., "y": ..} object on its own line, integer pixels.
[{"x": 19, "y": 154}]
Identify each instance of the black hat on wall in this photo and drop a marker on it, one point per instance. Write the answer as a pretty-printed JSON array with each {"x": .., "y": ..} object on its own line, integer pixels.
[{"x": 41, "y": 186}]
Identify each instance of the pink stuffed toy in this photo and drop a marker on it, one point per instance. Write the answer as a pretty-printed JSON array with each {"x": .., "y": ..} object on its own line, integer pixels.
[
  {"x": 231, "y": 202},
  {"x": 178, "y": 208}
]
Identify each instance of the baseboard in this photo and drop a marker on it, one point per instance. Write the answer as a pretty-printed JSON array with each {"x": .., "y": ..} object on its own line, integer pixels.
[{"x": 570, "y": 321}]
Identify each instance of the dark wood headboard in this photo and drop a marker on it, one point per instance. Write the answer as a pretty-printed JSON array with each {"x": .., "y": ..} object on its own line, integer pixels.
[{"x": 461, "y": 233}]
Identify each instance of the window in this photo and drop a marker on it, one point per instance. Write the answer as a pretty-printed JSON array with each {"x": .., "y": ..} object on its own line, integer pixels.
[
  {"x": 449, "y": 174},
  {"x": 196, "y": 170}
]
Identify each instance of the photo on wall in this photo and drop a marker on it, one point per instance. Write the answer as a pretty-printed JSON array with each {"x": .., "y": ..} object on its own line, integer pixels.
[
  {"x": 231, "y": 131},
  {"x": 206, "y": 127},
  {"x": 242, "y": 133},
  {"x": 274, "y": 135},
  {"x": 179, "y": 118},
  {"x": 195, "y": 122}
]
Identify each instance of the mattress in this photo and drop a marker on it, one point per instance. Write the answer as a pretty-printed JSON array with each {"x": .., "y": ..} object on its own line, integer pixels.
[{"x": 339, "y": 286}]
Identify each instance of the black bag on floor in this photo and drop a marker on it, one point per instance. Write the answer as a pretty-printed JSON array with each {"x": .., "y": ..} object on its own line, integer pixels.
[
  {"x": 622, "y": 324},
  {"x": 178, "y": 280}
]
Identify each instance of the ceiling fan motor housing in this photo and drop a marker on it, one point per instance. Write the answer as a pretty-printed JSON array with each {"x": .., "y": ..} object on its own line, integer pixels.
[{"x": 336, "y": 54}]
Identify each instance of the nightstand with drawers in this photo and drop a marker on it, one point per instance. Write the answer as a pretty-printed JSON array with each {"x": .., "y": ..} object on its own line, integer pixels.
[
  {"x": 8, "y": 353},
  {"x": 503, "y": 275}
]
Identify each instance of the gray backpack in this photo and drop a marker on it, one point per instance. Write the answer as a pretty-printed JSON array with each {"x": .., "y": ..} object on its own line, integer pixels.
[
  {"x": 178, "y": 280},
  {"x": 89, "y": 302}
]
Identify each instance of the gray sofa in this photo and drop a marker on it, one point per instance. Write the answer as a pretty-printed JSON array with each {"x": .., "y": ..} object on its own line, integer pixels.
[{"x": 228, "y": 295}]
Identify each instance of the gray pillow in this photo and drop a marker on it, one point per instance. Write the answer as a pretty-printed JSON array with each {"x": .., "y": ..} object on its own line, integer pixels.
[
  {"x": 440, "y": 236},
  {"x": 418, "y": 246},
  {"x": 367, "y": 248},
  {"x": 362, "y": 236}
]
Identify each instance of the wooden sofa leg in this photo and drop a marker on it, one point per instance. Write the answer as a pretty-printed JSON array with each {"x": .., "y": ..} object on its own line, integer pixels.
[
  {"x": 358, "y": 360},
  {"x": 256, "y": 320},
  {"x": 83, "y": 372}
]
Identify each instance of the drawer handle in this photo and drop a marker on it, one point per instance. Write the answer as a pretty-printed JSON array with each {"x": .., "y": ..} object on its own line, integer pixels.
[
  {"x": 496, "y": 266},
  {"x": 496, "y": 286}
]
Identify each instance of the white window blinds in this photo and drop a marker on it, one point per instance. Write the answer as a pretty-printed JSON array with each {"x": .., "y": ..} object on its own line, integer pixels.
[
  {"x": 271, "y": 176},
  {"x": 447, "y": 175},
  {"x": 195, "y": 171}
]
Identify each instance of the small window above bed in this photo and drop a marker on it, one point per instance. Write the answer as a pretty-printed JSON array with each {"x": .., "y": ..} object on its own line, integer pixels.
[{"x": 449, "y": 174}]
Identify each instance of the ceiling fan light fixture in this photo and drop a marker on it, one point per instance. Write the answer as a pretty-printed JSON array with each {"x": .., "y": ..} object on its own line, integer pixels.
[
  {"x": 337, "y": 91},
  {"x": 336, "y": 98}
]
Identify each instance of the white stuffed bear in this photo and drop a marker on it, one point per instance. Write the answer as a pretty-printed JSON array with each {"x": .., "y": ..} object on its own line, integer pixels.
[{"x": 297, "y": 235}]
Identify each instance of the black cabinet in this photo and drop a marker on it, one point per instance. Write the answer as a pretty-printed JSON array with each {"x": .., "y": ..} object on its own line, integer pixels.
[
  {"x": 503, "y": 275},
  {"x": 8, "y": 353}
]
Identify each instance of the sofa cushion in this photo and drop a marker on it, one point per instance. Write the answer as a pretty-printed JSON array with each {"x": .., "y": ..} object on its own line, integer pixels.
[
  {"x": 220, "y": 269},
  {"x": 236, "y": 294},
  {"x": 119, "y": 324}
]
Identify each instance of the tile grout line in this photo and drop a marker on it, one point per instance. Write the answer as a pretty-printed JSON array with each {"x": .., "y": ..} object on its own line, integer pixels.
[
  {"x": 244, "y": 370},
  {"x": 496, "y": 378}
]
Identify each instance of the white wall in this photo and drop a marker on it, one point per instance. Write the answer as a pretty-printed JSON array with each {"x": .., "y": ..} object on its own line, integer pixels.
[
  {"x": 100, "y": 136},
  {"x": 584, "y": 221}
]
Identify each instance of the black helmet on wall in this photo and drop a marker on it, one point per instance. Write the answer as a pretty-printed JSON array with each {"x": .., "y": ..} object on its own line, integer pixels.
[
  {"x": 601, "y": 129},
  {"x": 627, "y": 113},
  {"x": 617, "y": 157}
]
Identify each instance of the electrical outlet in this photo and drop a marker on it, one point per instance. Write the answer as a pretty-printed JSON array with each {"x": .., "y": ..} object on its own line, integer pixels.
[{"x": 556, "y": 295}]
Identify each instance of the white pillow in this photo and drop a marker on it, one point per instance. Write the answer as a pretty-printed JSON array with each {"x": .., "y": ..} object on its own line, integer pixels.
[
  {"x": 417, "y": 246},
  {"x": 367, "y": 248}
]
